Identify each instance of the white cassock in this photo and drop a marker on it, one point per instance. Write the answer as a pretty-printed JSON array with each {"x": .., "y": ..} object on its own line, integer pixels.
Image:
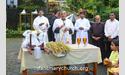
[
  {"x": 35, "y": 40},
  {"x": 41, "y": 28},
  {"x": 61, "y": 36},
  {"x": 82, "y": 33},
  {"x": 111, "y": 28}
]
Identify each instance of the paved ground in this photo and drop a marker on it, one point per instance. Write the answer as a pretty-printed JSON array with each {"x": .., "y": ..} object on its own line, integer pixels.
[
  {"x": 12, "y": 47},
  {"x": 13, "y": 66}
]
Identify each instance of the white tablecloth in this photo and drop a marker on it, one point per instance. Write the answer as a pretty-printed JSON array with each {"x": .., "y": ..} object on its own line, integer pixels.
[{"x": 81, "y": 55}]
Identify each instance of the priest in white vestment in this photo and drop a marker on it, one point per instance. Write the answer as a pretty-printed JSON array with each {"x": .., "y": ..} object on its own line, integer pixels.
[
  {"x": 41, "y": 24},
  {"x": 63, "y": 29},
  {"x": 33, "y": 40},
  {"x": 82, "y": 26}
]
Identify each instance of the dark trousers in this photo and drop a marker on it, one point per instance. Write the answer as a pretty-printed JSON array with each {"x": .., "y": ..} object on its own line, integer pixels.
[
  {"x": 101, "y": 45},
  {"x": 107, "y": 47},
  {"x": 74, "y": 38},
  {"x": 51, "y": 35}
]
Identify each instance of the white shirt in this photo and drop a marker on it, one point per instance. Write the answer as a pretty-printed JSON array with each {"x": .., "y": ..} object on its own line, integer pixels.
[
  {"x": 82, "y": 23},
  {"x": 111, "y": 28},
  {"x": 63, "y": 36},
  {"x": 38, "y": 20}
]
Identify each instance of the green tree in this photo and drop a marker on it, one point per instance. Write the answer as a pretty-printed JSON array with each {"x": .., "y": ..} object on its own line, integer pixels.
[
  {"x": 101, "y": 7},
  {"x": 31, "y": 5}
]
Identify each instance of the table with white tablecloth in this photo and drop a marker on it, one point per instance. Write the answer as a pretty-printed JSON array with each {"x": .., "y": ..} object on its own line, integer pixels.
[{"x": 77, "y": 55}]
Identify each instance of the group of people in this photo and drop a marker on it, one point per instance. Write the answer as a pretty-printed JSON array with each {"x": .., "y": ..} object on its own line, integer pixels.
[{"x": 60, "y": 28}]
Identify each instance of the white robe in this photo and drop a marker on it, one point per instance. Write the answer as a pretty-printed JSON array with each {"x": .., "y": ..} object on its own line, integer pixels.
[
  {"x": 44, "y": 28},
  {"x": 35, "y": 40},
  {"x": 82, "y": 33},
  {"x": 112, "y": 28},
  {"x": 61, "y": 36}
]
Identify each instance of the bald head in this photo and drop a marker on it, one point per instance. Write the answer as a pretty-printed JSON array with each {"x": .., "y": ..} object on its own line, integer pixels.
[{"x": 97, "y": 18}]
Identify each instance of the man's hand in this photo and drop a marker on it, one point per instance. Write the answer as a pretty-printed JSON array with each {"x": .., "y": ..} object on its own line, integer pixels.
[
  {"x": 41, "y": 46},
  {"x": 46, "y": 50},
  {"x": 66, "y": 29},
  {"x": 109, "y": 38},
  {"x": 33, "y": 46},
  {"x": 81, "y": 28},
  {"x": 30, "y": 51},
  {"x": 61, "y": 26},
  {"x": 96, "y": 38}
]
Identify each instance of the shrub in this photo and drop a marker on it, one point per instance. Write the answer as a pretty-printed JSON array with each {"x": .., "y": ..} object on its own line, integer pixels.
[{"x": 13, "y": 33}]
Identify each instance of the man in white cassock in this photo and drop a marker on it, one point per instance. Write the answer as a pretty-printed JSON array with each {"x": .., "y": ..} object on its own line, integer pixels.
[
  {"x": 63, "y": 29},
  {"x": 41, "y": 24},
  {"x": 33, "y": 41},
  {"x": 111, "y": 31},
  {"x": 82, "y": 26}
]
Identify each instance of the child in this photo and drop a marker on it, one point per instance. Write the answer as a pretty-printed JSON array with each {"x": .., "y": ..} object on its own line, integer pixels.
[{"x": 113, "y": 62}]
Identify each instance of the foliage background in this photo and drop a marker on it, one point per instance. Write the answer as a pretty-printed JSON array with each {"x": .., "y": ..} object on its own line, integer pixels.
[
  {"x": 31, "y": 5},
  {"x": 101, "y": 7},
  {"x": 94, "y": 7}
]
